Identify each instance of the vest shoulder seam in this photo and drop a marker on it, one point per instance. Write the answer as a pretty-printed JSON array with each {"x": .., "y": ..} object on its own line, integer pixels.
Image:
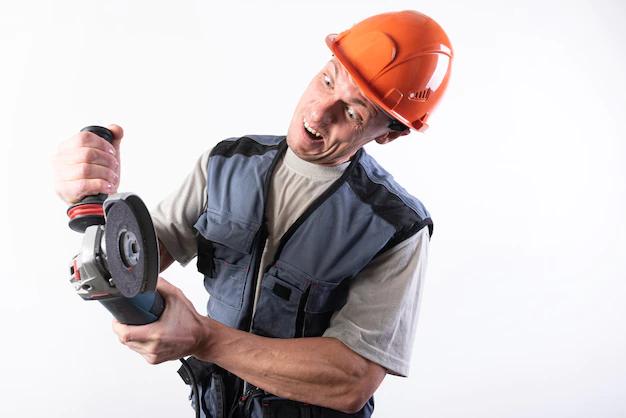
[
  {"x": 406, "y": 218},
  {"x": 386, "y": 183},
  {"x": 248, "y": 145},
  {"x": 400, "y": 196}
]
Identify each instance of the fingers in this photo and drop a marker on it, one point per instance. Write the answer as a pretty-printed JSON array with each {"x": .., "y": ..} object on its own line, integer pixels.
[
  {"x": 75, "y": 178},
  {"x": 172, "y": 295},
  {"x": 122, "y": 331},
  {"x": 176, "y": 334},
  {"x": 132, "y": 335},
  {"x": 117, "y": 130},
  {"x": 86, "y": 155},
  {"x": 74, "y": 190},
  {"x": 165, "y": 287},
  {"x": 87, "y": 164},
  {"x": 84, "y": 171},
  {"x": 118, "y": 133},
  {"x": 88, "y": 140}
]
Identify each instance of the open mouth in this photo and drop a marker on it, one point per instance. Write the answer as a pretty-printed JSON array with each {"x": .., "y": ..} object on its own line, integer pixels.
[{"x": 312, "y": 133}]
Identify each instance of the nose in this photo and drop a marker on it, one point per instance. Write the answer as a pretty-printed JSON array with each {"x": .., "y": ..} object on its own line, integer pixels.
[{"x": 324, "y": 112}]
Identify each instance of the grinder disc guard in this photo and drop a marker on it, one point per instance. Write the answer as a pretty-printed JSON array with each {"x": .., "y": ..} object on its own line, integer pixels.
[{"x": 132, "y": 251}]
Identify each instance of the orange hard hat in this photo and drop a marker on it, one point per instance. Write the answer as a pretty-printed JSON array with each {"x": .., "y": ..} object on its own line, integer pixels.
[{"x": 400, "y": 61}]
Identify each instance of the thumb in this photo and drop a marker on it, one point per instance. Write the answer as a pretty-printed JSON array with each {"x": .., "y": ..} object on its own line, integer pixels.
[
  {"x": 164, "y": 287},
  {"x": 118, "y": 133}
]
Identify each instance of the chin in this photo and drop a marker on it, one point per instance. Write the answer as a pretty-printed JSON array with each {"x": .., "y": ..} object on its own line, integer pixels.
[{"x": 300, "y": 143}]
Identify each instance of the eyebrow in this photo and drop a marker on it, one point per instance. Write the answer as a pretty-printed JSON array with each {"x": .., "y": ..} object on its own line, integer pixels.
[{"x": 358, "y": 101}]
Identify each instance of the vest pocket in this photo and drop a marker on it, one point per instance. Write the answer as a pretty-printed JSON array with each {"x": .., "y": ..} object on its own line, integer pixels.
[
  {"x": 277, "y": 308},
  {"x": 211, "y": 388},
  {"x": 224, "y": 245},
  {"x": 224, "y": 271},
  {"x": 323, "y": 301},
  {"x": 213, "y": 397},
  {"x": 226, "y": 283}
]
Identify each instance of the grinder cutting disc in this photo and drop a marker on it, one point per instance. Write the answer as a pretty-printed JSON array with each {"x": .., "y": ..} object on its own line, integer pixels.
[{"x": 132, "y": 250}]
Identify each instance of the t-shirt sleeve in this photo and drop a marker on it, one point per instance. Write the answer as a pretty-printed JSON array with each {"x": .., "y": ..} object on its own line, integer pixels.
[
  {"x": 175, "y": 215},
  {"x": 379, "y": 318}
]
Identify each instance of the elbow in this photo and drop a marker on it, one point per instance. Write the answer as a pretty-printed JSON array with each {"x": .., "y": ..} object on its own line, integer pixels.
[
  {"x": 352, "y": 407},
  {"x": 361, "y": 379},
  {"x": 361, "y": 388},
  {"x": 355, "y": 400}
]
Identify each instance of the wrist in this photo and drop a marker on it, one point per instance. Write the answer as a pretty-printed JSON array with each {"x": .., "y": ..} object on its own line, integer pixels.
[{"x": 206, "y": 339}]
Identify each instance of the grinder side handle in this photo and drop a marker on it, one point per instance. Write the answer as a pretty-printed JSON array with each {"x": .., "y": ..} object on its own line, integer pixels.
[
  {"x": 88, "y": 211},
  {"x": 107, "y": 135},
  {"x": 142, "y": 309}
]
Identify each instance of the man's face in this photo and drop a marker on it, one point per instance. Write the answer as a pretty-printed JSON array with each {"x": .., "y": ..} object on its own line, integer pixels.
[{"x": 333, "y": 119}]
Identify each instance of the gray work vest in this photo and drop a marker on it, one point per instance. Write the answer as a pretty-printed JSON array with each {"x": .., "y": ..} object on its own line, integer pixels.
[{"x": 361, "y": 215}]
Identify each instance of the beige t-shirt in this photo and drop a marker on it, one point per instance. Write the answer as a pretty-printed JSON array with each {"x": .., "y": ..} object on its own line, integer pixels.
[{"x": 379, "y": 318}]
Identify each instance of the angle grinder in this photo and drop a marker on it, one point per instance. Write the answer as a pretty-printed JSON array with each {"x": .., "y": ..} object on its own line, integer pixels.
[{"x": 118, "y": 264}]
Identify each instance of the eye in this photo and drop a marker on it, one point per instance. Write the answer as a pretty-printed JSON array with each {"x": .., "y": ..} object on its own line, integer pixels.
[
  {"x": 352, "y": 115},
  {"x": 327, "y": 81}
]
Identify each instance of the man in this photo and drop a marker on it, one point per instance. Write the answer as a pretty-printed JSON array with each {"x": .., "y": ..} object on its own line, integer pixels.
[{"x": 312, "y": 254}]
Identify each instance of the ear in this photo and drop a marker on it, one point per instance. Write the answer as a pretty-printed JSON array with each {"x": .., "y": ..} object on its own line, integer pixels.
[{"x": 391, "y": 135}]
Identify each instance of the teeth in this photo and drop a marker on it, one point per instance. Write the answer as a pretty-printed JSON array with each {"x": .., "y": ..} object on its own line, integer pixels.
[{"x": 313, "y": 131}]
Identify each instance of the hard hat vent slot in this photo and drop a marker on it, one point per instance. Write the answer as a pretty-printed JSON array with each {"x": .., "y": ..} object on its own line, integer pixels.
[{"x": 420, "y": 96}]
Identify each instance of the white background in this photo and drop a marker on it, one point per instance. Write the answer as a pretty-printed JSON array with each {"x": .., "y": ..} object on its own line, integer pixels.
[{"x": 523, "y": 312}]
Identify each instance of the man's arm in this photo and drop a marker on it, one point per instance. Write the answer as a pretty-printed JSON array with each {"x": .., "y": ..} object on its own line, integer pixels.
[
  {"x": 372, "y": 334},
  {"x": 320, "y": 371},
  {"x": 380, "y": 316},
  {"x": 175, "y": 216}
]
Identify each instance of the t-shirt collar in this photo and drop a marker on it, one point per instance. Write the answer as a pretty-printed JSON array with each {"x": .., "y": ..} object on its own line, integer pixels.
[{"x": 309, "y": 169}]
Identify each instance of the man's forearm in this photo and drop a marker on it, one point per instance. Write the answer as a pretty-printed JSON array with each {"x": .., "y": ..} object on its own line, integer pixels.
[{"x": 320, "y": 371}]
